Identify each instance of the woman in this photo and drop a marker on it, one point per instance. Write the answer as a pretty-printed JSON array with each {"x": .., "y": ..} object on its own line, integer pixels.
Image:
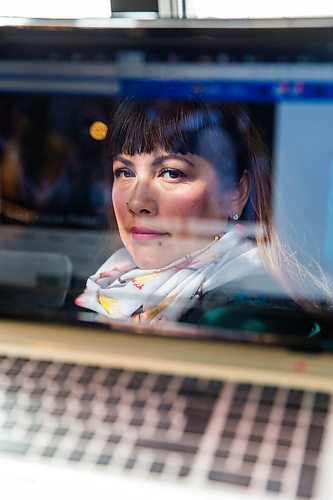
[{"x": 191, "y": 196}]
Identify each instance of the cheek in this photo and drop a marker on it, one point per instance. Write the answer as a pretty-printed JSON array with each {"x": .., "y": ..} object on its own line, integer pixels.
[
  {"x": 190, "y": 203},
  {"x": 119, "y": 205}
]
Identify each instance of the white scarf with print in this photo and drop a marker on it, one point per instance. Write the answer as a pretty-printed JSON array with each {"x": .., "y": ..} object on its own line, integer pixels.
[{"x": 120, "y": 290}]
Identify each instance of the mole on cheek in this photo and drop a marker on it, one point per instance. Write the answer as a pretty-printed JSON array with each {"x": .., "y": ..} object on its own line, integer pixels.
[{"x": 195, "y": 203}]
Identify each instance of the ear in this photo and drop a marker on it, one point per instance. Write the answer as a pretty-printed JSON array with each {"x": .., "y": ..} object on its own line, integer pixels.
[{"x": 240, "y": 194}]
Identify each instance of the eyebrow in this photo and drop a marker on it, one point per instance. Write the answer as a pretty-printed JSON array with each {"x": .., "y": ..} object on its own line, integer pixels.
[
  {"x": 123, "y": 160},
  {"x": 172, "y": 156},
  {"x": 156, "y": 161}
]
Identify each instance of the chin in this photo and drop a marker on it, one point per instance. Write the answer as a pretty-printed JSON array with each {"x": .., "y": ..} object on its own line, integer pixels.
[
  {"x": 147, "y": 262},
  {"x": 146, "y": 257},
  {"x": 150, "y": 256},
  {"x": 147, "y": 254}
]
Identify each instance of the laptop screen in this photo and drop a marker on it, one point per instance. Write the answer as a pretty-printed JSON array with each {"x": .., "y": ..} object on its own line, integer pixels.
[{"x": 168, "y": 177}]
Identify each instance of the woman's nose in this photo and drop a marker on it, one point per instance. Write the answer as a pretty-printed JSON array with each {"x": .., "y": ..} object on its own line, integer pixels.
[{"x": 142, "y": 202}]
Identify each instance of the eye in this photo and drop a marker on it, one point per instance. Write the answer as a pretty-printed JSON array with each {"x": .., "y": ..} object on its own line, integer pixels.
[
  {"x": 171, "y": 174},
  {"x": 123, "y": 173}
]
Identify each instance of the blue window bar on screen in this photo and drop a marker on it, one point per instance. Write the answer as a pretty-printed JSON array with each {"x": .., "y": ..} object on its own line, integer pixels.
[{"x": 257, "y": 82}]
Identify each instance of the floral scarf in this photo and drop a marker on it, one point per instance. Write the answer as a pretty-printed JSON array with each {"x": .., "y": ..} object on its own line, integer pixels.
[{"x": 120, "y": 290}]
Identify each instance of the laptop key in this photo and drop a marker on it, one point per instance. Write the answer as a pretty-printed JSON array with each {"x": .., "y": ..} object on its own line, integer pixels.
[
  {"x": 103, "y": 459},
  {"x": 137, "y": 380},
  {"x": 87, "y": 435},
  {"x": 114, "y": 438},
  {"x": 276, "y": 462},
  {"x": 243, "y": 390},
  {"x": 237, "y": 408},
  {"x": 322, "y": 401},
  {"x": 38, "y": 374},
  {"x": 60, "y": 431},
  {"x": 215, "y": 386},
  {"x": 8, "y": 405},
  {"x": 110, "y": 418},
  {"x": 138, "y": 403},
  {"x": 251, "y": 459},
  {"x": 273, "y": 486},
  {"x": 62, "y": 394},
  {"x": 318, "y": 418},
  {"x": 9, "y": 424},
  {"x": 111, "y": 378},
  {"x": 230, "y": 478},
  {"x": 165, "y": 446},
  {"x": 76, "y": 456},
  {"x": 87, "y": 397},
  {"x": 137, "y": 422},
  {"x": 165, "y": 407},
  {"x": 19, "y": 448},
  {"x": 13, "y": 371},
  {"x": 286, "y": 432},
  {"x": 113, "y": 400},
  {"x": 222, "y": 453},
  {"x": 33, "y": 408},
  {"x": 161, "y": 383},
  {"x": 163, "y": 425},
  {"x": 84, "y": 415},
  {"x": 157, "y": 467},
  {"x": 254, "y": 438},
  {"x": 34, "y": 428},
  {"x": 49, "y": 451},
  {"x": 306, "y": 481},
  {"x": 268, "y": 393},
  {"x": 37, "y": 392},
  {"x": 197, "y": 420},
  {"x": 58, "y": 412},
  {"x": 130, "y": 463},
  {"x": 14, "y": 388},
  {"x": 184, "y": 471},
  {"x": 314, "y": 438},
  {"x": 296, "y": 396}
]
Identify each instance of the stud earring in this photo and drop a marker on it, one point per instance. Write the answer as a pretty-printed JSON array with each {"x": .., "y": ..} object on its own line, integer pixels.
[{"x": 234, "y": 216}]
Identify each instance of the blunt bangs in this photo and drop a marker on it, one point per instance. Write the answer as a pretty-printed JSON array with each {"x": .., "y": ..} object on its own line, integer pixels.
[{"x": 176, "y": 127}]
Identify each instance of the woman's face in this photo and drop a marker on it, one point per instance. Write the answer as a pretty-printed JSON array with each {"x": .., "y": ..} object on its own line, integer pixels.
[{"x": 155, "y": 196}]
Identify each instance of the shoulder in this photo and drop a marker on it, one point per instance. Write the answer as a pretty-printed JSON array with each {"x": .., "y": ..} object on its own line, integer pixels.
[{"x": 223, "y": 308}]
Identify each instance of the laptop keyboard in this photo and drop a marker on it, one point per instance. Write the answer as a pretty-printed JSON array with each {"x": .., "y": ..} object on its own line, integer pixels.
[{"x": 249, "y": 437}]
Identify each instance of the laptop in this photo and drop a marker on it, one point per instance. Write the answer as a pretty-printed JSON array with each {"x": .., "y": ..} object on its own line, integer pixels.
[{"x": 92, "y": 407}]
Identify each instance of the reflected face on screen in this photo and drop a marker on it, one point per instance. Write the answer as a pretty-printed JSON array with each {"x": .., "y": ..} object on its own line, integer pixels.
[{"x": 154, "y": 197}]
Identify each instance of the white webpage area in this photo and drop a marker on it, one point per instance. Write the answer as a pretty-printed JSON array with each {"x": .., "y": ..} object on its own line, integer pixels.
[{"x": 303, "y": 177}]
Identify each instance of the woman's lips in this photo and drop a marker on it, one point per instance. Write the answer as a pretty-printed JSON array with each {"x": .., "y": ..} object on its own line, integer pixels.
[{"x": 145, "y": 233}]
